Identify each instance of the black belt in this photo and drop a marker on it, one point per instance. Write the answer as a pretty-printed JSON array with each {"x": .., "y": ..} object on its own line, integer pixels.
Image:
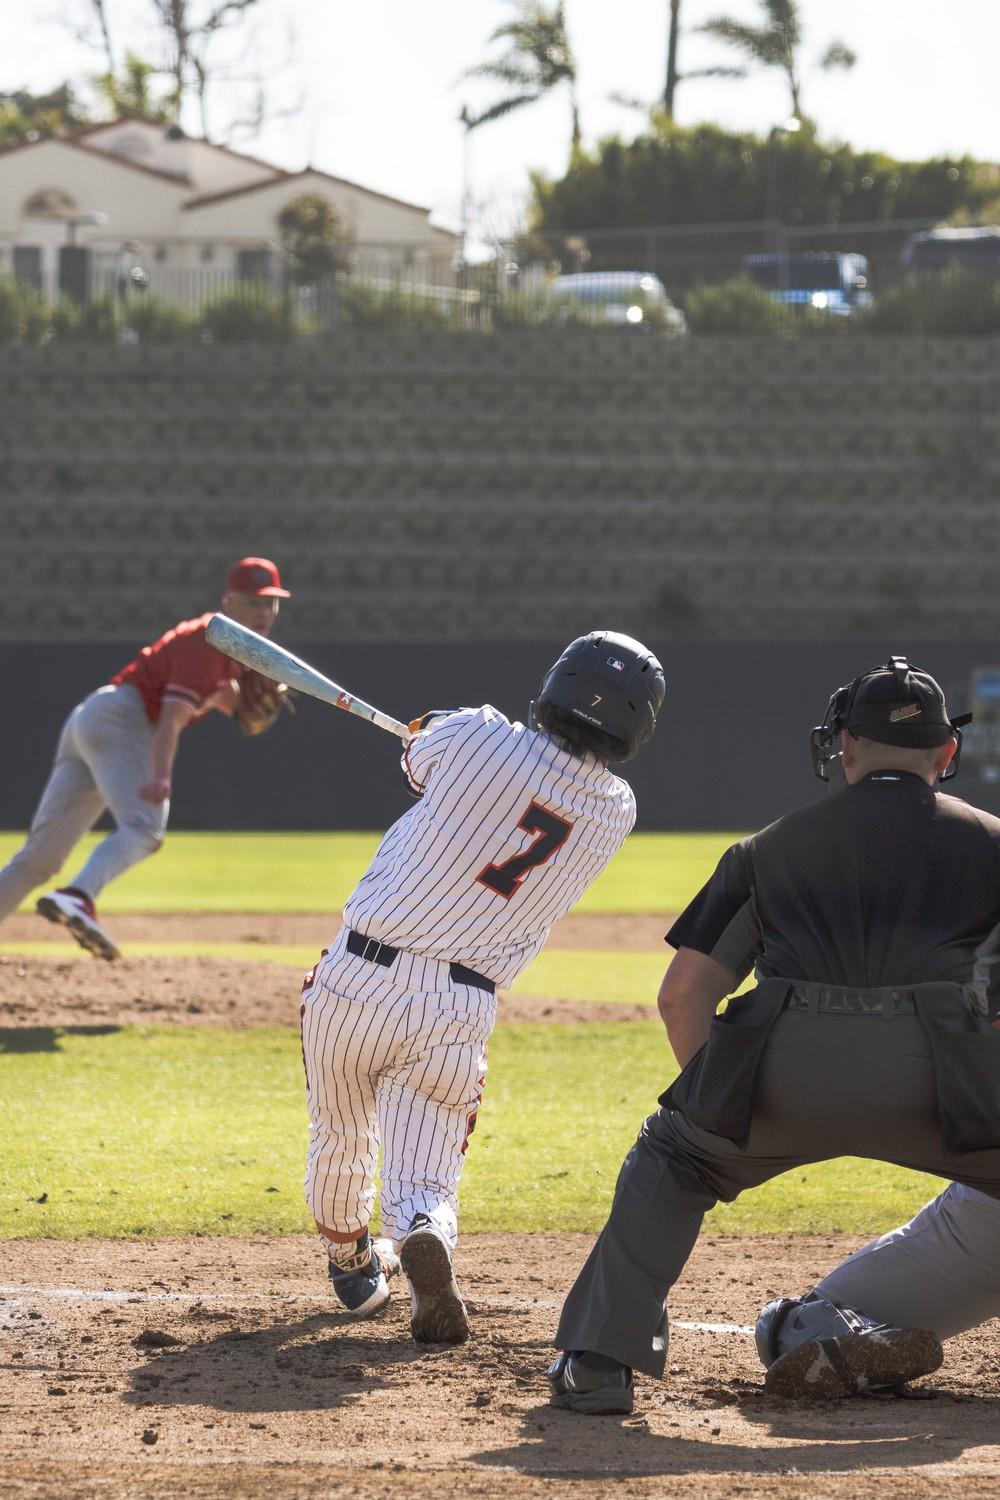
[
  {"x": 841, "y": 1001},
  {"x": 382, "y": 953}
]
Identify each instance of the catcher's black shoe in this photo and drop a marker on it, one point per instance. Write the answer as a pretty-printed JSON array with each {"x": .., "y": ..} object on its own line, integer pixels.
[
  {"x": 877, "y": 1359},
  {"x": 591, "y": 1383},
  {"x": 362, "y": 1284},
  {"x": 438, "y": 1313}
]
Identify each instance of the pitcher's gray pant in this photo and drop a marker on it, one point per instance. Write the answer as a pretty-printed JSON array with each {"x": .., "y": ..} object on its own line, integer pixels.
[
  {"x": 828, "y": 1086},
  {"x": 101, "y": 762}
]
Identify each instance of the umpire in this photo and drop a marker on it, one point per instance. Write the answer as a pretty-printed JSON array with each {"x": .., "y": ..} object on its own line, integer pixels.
[{"x": 872, "y": 921}]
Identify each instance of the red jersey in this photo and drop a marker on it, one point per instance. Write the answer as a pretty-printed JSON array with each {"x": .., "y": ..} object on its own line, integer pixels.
[{"x": 180, "y": 666}]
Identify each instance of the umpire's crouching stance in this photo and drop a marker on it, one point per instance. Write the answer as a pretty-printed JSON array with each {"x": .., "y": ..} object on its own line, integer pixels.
[{"x": 873, "y": 920}]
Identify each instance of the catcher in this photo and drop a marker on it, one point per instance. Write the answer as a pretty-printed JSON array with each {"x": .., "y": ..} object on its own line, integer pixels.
[{"x": 117, "y": 751}]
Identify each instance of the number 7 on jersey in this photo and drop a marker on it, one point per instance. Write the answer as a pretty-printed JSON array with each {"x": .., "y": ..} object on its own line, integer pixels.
[{"x": 552, "y": 832}]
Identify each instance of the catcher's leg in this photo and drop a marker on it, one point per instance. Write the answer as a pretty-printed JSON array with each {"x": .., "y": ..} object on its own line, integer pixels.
[
  {"x": 70, "y": 805},
  {"x": 939, "y": 1271}
]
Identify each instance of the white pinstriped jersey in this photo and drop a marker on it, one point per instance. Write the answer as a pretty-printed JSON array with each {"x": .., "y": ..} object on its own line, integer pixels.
[{"x": 509, "y": 832}]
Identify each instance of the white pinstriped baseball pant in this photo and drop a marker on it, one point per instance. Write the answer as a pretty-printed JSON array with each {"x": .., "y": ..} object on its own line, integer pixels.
[{"x": 395, "y": 1057}]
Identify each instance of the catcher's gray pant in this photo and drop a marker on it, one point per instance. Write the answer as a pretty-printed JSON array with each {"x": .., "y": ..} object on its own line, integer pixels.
[
  {"x": 101, "y": 762},
  {"x": 828, "y": 1086},
  {"x": 940, "y": 1271}
]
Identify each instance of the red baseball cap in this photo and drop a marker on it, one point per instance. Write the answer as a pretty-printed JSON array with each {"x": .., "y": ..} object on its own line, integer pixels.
[{"x": 256, "y": 575}]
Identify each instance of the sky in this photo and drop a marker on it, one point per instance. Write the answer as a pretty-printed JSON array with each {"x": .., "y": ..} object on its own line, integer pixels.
[{"x": 372, "y": 91}]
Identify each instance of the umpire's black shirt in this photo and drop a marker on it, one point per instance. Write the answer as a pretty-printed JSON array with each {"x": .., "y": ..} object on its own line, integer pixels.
[{"x": 884, "y": 883}]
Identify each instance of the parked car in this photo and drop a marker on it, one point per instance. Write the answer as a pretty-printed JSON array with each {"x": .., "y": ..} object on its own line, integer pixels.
[
  {"x": 626, "y": 299},
  {"x": 936, "y": 249},
  {"x": 833, "y": 281}
]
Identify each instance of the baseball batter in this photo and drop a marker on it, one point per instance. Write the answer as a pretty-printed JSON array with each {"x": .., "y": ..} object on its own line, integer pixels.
[
  {"x": 513, "y": 823},
  {"x": 117, "y": 751},
  {"x": 871, "y": 920}
]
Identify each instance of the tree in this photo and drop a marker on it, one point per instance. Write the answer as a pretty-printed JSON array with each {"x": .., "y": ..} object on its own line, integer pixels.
[
  {"x": 705, "y": 175},
  {"x": 190, "y": 30},
  {"x": 189, "y": 33},
  {"x": 313, "y": 237},
  {"x": 130, "y": 93},
  {"x": 774, "y": 44},
  {"x": 538, "y": 59},
  {"x": 32, "y": 117}
]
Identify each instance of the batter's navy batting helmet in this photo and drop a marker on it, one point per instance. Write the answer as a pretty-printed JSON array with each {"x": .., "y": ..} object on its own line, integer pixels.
[
  {"x": 895, "y": 704},
  {"x": 609, "y": 682}
]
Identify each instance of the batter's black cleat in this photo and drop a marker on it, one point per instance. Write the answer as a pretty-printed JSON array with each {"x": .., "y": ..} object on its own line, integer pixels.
[
  {"x": 592, "y": 1383},
  {"x": 75, "y": 910},
  {"x": 437, "y": 1314},
  {"x": 362, "y": 1283},
  {"x": 879, "y": 1359}
]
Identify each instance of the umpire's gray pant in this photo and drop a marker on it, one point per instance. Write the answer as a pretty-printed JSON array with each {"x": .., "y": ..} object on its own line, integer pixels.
[
  {"x": 101, "y": 762},
  {"x": 828, "y": 1086}
]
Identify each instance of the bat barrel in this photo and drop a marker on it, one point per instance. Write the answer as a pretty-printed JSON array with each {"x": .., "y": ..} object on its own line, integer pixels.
[{"x": 271, "y": 660}]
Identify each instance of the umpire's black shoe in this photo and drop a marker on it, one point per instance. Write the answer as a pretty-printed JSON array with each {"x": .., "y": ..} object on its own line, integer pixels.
[
  {"x": 878, "y": 1359},
  {"x": 591, "y": 1383}
]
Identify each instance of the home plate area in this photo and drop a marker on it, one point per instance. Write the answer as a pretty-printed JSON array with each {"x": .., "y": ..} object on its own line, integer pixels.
[{"x": 215, "y": 1366}]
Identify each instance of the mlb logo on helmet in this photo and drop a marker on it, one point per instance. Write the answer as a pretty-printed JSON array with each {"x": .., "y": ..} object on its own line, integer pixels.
[{"x": 613, "y": 661}]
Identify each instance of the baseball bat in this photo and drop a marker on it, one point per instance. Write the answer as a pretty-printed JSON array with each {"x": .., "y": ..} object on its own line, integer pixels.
[{"x": 273, "y": 661}]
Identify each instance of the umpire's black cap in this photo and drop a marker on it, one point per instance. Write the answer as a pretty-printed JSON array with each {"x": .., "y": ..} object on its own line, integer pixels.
[{"x": 897, "y": 704}]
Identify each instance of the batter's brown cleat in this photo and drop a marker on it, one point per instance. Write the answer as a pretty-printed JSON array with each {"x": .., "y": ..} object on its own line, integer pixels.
[
  {"x": 879, "y": 1359},
  {"x": 74, "y": 910},
  {"x": 438, "y": 1313}
]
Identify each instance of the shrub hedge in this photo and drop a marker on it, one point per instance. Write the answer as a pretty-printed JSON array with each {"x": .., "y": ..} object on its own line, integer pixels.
[{"x": 954, "y": 302}]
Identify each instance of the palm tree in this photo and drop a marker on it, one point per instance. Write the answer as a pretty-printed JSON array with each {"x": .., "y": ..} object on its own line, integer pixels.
[
  {"x": 538, "y": 59},
  {"x": 774, "y": 44},
  {"x": 673, "y": 77}
]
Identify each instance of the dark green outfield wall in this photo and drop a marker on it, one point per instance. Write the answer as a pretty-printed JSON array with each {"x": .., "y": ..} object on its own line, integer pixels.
[{"x": 731, "y": 751}]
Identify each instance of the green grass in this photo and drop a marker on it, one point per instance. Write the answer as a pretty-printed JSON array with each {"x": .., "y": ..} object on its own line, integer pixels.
[
  {"x": 275, "y": 872},
  {"x": 183, "y": 1131}
]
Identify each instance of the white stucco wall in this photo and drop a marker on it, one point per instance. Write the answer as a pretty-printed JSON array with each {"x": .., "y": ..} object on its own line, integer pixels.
[{"x": 137, "y": 204}]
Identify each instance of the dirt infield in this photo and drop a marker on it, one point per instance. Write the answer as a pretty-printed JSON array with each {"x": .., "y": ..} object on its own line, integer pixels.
[
  {"x": 72, "y": 989},
  {"x": 217, "y": 1368}
]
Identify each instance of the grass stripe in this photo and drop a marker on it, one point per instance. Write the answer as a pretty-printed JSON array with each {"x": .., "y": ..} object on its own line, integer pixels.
[
  {"x": 315, "y": 872},
  {"x": 184, "y": 1131}
]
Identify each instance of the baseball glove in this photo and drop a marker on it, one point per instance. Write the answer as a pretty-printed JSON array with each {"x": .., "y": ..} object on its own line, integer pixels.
[{"x": 261, "y": 703}]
